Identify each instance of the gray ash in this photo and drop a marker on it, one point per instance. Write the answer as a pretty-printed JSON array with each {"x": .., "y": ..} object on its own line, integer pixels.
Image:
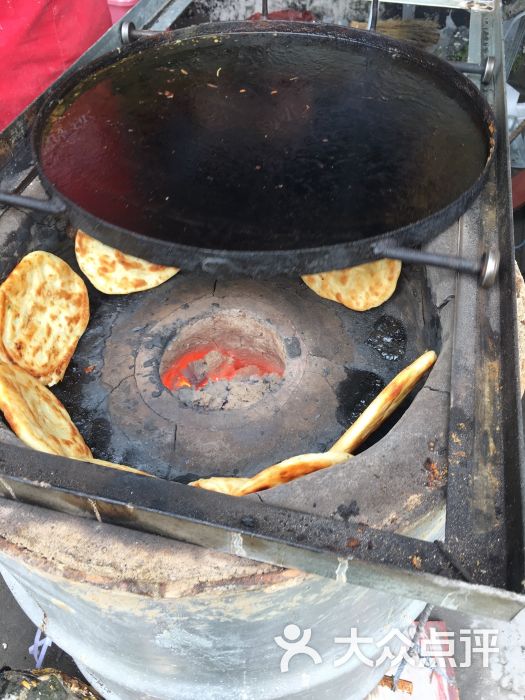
[{"x": 235, "y": 393}]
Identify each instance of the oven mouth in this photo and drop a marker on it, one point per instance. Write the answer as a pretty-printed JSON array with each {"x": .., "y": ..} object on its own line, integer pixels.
[{"x": 224, "y": 361}]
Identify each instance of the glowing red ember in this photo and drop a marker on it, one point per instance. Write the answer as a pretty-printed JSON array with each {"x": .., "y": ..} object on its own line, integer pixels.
[{"x": 210, "y": 363}]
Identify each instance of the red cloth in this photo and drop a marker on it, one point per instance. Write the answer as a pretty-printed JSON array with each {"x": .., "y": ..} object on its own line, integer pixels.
[{"x": 39, "y": 39}]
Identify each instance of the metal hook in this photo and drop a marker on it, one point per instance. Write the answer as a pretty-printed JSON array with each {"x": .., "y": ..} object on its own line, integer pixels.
[{"x": 372, "y": 17}]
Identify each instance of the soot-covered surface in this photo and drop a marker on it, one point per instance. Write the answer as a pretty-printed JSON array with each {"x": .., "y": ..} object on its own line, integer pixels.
[{"x": 115, "y": 395}]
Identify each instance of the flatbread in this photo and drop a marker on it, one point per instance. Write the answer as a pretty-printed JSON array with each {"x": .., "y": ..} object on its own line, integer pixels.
[
  {"x": 372, "y": 417},
  {"x": 231, "y": 485},
  {"x": 359, "y": 288},
  {"x": 41, "y": 421},
  {"x": 282, "y": 473},
  {"x": 44, "y": 309},
  {"x": 113, "y": 272},
  {"x": 119, "y": 467},
  {"x": 37, "y": 416},
  {"x": 385, "y": 403}
]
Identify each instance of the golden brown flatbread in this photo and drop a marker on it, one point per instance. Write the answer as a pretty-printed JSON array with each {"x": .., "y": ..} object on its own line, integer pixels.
[
  {"x": 37, "y": 416},
  {"x": 359, "y": 288},
  {"x": 119, "y": 467},
  {"x": 44, "y": 309},
  {"x": 113, "y": 272},
  {"x": 278, "y": 474},
  {"x": 232, "y": 485},
  {"x": 378, "y": 411},
  {"x": 385, "y": 403}
]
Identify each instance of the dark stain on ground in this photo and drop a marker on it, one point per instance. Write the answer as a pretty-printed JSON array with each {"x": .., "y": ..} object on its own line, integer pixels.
[
  {"x": 389, "y": 338},
  {"x": 346, "y": 511}
]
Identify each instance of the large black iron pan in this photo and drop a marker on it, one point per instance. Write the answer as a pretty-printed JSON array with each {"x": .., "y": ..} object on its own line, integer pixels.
[{"x": 264, "y": 148}]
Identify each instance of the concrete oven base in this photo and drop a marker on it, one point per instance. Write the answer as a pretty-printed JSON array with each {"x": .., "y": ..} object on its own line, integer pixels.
[{"x": 149, "y": 618}]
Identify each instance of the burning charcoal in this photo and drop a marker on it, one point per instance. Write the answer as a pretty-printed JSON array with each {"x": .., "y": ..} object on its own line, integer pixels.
[{"x": 389, "y": 338}]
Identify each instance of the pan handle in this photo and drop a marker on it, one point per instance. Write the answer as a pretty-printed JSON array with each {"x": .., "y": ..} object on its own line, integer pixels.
[
  {"x": 54, "y": 205},
  {"x": 486, "y": 269}
]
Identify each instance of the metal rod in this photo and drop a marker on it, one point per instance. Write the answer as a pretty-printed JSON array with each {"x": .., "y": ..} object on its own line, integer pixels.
[
  {"x": 486, "y": 268},
  {"x": 486, "y": 69},
  {"x": 311, "y": 543},
  {"x": 144, "y": 33},
  {"x": 130, "y": 33},
  {"x": 413, "y": 651},
  {"x": 265, "y": 9},
  {"x": 419, "y": 257},
  {"x": 464, "y": 67},
  {"x": 372, "y": 17},
  {"x": 47, "y": 206}
]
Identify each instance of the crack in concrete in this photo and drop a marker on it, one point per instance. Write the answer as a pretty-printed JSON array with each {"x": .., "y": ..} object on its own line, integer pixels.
[
  {"x": 437, "y": 391},
  {"x": 113, "y": 389},
  {"x": 446, "y": 301}
]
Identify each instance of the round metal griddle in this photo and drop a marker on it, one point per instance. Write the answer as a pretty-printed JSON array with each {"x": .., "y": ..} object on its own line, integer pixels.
[{"x": 264, "y": 147}]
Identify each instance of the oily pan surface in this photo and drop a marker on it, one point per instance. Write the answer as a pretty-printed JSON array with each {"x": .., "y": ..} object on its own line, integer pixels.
[{"x": 262, "y": 142}]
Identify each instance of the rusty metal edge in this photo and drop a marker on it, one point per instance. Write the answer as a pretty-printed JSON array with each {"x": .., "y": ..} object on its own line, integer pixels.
[{"x": 486, "y": 480}]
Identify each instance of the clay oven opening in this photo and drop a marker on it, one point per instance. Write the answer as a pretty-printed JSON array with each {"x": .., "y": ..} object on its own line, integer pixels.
[{"x": 224, "y": 361}]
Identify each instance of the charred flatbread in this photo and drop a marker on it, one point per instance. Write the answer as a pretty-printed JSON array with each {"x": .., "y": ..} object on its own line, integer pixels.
[
  {"x": 359, "y": 288},
  {"x": 37, "y": 416},
  {"x": 44, "y": 310},
  {"x": 114, "y": 272}
]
